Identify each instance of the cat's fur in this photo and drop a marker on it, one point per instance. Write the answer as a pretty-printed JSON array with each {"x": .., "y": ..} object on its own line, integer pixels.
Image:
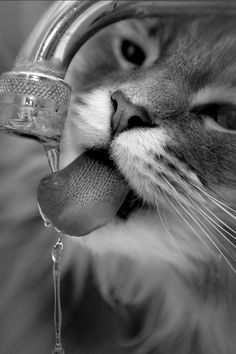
[{"x": 167, "y": 289}]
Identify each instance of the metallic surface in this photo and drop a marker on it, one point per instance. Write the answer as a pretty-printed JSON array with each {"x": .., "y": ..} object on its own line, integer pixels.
[{"x": 33, "y": 97}]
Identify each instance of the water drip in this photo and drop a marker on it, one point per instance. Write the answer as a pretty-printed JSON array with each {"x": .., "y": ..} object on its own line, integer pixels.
[
  {"x": 52, "y": 154},
  {"x": 47, "y": 223},
  {"x": 56, "y": 258},
  {"x": 53, "y": 157}
]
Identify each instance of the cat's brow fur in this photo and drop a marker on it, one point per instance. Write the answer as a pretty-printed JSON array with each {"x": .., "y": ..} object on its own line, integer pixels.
[{"x": 166, "y": 288}]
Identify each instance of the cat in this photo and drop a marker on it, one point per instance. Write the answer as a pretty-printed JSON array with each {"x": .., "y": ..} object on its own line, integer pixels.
[{"x": 159, "y": 278}]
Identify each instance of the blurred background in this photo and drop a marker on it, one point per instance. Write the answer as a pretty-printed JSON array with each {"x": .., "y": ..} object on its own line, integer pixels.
[{"x": 17, "y": 18}]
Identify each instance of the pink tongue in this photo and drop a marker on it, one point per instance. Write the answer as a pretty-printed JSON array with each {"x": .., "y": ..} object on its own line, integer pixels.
[{"x": 82, "y": 197}]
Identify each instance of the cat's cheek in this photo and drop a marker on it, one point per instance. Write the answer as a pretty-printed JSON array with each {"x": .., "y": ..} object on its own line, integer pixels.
[
  {"x": 89, "y": 119},
  {"x": 134, "y": 152}
]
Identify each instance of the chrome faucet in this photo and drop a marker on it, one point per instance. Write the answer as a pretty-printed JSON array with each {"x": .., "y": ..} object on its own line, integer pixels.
[{"x": 34, "y": 97}]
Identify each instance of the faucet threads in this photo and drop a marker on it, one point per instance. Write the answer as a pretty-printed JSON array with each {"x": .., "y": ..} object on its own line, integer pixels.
[
  {"x": 34, "y": 86},
  {"x": 33, "y": 105}
]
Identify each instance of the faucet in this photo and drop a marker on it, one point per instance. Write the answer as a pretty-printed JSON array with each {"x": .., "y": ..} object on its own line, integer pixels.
[{"x": 34, "y": 98}]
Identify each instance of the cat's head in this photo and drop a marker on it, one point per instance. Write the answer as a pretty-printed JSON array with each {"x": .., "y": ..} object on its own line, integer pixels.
[{"x": 160, "y": 96}]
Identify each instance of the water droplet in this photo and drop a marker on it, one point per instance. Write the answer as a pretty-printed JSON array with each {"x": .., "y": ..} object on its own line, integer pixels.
[
  {"x": 58, "y": 350},
  {"x": 57, "y": 251},
  {"x": 47, "y": 223},
  {"x": 57, "y": 230}
]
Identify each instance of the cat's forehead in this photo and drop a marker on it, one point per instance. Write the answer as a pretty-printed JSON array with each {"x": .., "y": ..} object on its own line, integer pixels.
[
  {"x": 148, "y": 26},
  {"x": 204, "y": 46},
  {"x": 198, "y": 45}
]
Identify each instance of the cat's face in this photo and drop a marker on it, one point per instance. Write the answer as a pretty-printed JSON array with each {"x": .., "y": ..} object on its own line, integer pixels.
[{"x": 160, "y": 96}]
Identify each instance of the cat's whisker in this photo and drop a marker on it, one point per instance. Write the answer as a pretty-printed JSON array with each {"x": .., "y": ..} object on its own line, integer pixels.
[
  {"x": 215, "y": 224},
  {"x": 204, "y": 231},
  {"x": 224, "y": 208},
  {"x": 209, "y": 238},
  {"x": 218, "y": 203},
  {"x": 215, "y": 238},
  {"x": 189, "y": 225},
  {"x": 221, "y": 222},
  {"x": 219, "y": 249},
  {"x": 171, "y": 238},
  {"x": 223, "y": 204},
  {"x": 220, "y": 244}
]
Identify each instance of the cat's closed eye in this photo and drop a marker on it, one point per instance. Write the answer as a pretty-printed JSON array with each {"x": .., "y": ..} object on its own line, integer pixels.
[{"x": 223, "y": 114}]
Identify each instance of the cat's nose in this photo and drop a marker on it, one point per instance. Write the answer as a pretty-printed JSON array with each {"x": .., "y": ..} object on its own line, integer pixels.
[{"x": 126, "y": 115}]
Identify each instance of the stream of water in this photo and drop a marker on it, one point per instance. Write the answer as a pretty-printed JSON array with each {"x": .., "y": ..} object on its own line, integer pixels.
[{"x": 53, "y": 160}]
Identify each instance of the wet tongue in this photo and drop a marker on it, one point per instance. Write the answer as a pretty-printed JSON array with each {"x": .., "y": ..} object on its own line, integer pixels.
[{"x": 83, "y": 196}]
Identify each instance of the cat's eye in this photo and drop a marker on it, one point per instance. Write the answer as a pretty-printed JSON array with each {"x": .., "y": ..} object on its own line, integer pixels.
[
  {"x": 132, "y": 52},
  {"x": 223, "y": 114},
  {"x": 226, "y": 118}
]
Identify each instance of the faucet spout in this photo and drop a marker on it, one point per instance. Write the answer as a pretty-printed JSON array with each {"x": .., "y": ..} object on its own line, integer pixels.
[{"x": 34, "y": 98}]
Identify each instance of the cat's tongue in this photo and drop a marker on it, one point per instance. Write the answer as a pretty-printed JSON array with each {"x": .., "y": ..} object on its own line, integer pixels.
[{"x": 83, "y": 196}]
